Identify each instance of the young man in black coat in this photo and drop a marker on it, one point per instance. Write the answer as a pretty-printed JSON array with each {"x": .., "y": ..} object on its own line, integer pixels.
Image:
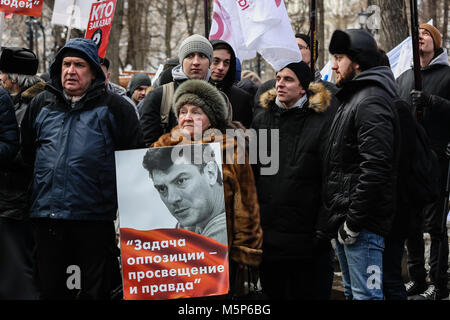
[
  {"x": 432, "y": 105},
  {"x": 292, "y": 217},
  {"x": 361, "y": 162}
]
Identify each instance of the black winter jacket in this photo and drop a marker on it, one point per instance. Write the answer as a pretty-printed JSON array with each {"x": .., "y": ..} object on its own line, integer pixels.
[
  {"x": 362, "y": 154},
  {"x": 14, "y": 200},
  {"x": 436, "y": 118},
  {"x": 9, "y": 133},
  {"x": 290, "y": 199}
]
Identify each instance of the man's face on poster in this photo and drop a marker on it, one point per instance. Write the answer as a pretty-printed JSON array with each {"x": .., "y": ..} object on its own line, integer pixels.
[{"x": 187, "y": 192}]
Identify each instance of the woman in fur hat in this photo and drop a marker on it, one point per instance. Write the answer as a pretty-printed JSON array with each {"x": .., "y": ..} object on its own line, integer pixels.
[{"x": 203, "y": 116}]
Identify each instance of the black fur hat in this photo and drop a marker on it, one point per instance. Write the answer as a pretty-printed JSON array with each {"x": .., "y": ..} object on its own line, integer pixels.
[
  {"x": 358, "y": 44},
  {"x": 18, "y": 60}
]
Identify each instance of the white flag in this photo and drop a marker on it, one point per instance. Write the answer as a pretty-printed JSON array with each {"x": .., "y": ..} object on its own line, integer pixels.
[
  {"x": 72, "y": 13},
  {"x": 251, "y": 26}
]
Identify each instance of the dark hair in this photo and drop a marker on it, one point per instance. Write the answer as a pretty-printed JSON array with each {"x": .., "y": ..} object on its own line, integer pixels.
[
  {"x": 221, "y": 45},
  {"x": 163, "y": 158}
]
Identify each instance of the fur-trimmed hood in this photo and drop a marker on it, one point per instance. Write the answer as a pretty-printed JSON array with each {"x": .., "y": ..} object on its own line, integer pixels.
[
  {"x": 319, "y": 98},
  {"x": 28, "y": 94}
]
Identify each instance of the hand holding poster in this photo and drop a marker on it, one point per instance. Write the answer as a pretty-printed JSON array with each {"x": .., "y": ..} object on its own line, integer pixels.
[
  {"x": 172, "y": 222},
  {"x": 99, "y": 24},
  {"x": 25, "y": 7}
]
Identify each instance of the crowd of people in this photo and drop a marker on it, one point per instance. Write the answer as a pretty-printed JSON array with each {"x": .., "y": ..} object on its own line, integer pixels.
[{"x": 344, "y": 154}]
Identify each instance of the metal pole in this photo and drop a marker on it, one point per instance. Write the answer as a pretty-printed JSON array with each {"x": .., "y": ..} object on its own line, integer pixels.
[
  {"x": 416, "y": 57},
  {"x": 206, "y": 12},
  {"x": 69, "y": 28},
  {"x": 30, "y": 34},
  {"x": 312, "y": 44},
  {"x": 2, "y": 23}
]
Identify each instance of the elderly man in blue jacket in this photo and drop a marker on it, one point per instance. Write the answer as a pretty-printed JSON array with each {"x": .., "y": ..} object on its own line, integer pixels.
[{"x": 70, "y": 133}]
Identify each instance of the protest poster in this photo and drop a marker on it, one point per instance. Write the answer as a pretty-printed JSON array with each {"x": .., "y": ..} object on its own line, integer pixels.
[
  {"x": 99, "y": 24},
  {"x": 173, "y": 235},
  {"x": 24, "y": 7}
]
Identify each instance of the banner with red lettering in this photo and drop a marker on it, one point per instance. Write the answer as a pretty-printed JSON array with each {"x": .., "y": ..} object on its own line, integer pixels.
[
  {"x": 256, "y": 26},
  {"x": 24, "y": 7},
  {"x": 173, "y": 230},
  {"x": 99, "y": 24}
]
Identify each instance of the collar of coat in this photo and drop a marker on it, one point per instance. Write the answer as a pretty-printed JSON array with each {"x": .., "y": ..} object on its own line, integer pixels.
[{"x": 319, "y": 98}]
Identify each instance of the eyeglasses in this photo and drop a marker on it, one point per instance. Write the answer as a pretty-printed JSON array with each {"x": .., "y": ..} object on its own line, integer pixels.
[{"x": 303, "y": 47}]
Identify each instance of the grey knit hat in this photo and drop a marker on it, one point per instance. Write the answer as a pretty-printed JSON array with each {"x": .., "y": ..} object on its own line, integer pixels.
[
  {"x": 195, "y": 43},
  {"x": 204, "y": 95}
]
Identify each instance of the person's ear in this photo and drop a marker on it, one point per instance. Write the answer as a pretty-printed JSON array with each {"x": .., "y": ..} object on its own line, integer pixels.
[{"x": 211, "y": 171}]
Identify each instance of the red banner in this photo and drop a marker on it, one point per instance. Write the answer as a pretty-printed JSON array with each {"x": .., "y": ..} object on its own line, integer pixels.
[
  {"x": 25, "y": 7},
  {"x": 172, "y": 263},
  {"x": 99, "y": 24}
]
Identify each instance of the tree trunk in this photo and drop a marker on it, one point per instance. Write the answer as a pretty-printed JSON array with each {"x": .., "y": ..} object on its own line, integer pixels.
[
  {"x": 394, "y": 23},
  {"x": 113, "y": 53},
  {"x": 321, "y": 34},
  {"x": 136, "y": 51},
  {"x": 445, "y": 26}
]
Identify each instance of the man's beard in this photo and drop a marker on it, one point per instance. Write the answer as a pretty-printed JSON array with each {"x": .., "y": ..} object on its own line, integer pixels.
[{"x": 349, "y": 75}]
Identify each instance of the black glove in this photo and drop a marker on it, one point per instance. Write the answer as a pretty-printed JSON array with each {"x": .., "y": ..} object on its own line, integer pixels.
[
  {"x": 346, "y": 236},
  {"x": 420, "y": 99}
]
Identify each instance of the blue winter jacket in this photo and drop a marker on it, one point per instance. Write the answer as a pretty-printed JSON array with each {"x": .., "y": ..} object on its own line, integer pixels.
[{"x": 72, "y": 145}]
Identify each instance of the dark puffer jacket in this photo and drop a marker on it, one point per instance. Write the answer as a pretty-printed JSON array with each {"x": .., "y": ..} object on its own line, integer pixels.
[
  {"x": 17, "y": 176},
  {"x": 9, "y": 134},
  {"x": 362, "y": 154},
  {"x": 290, "y": 199},
  {"x": 436, "y": 118},
  {"x": 72, "y": 144}
]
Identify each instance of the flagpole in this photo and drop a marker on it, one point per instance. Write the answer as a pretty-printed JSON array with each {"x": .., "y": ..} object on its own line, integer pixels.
[
  {"x": 415, "y": 46},
  {"x": 69, "y": 30},
  {"x": 206, "y": 12},
  {"x": 2, "y": 23},
  {"x": 312, "y": 44}
]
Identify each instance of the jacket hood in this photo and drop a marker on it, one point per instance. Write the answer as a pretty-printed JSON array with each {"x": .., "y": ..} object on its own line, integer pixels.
[
  {"x": 319, "y": 98},
  {"x": 229, "y": 79},
  {"x": 86, "y": 47},
  {"x": 382, "y": 76},
  {"x": 440, "y": 59}
]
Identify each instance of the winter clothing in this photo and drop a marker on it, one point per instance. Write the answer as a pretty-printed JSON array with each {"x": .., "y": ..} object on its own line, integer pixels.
[
  {"x": 14, "y": 202},
  {"x": 79, "y": 185},
  {"x": 435, "y": 120},
  {"x": 16, "y": 241},
  {"x": 195, "y": 43},
  {"x": 137, "y": 80},
  {"x": 290, "y": 199},
  {"x": 18, "y": 60},
  {"x": 435, "y": 34},
  {"x": 358, "y": 44},
  {"x": 9, "y": 137},
  {"x": 71, "y": 143},
  {"x": 302, "y": 71},
  {"x": 288, "y": 221},
  {"x": 202, "y": 94},
  {"x": 240, "y": 100},
  {"x": 362, "y": 154}
]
